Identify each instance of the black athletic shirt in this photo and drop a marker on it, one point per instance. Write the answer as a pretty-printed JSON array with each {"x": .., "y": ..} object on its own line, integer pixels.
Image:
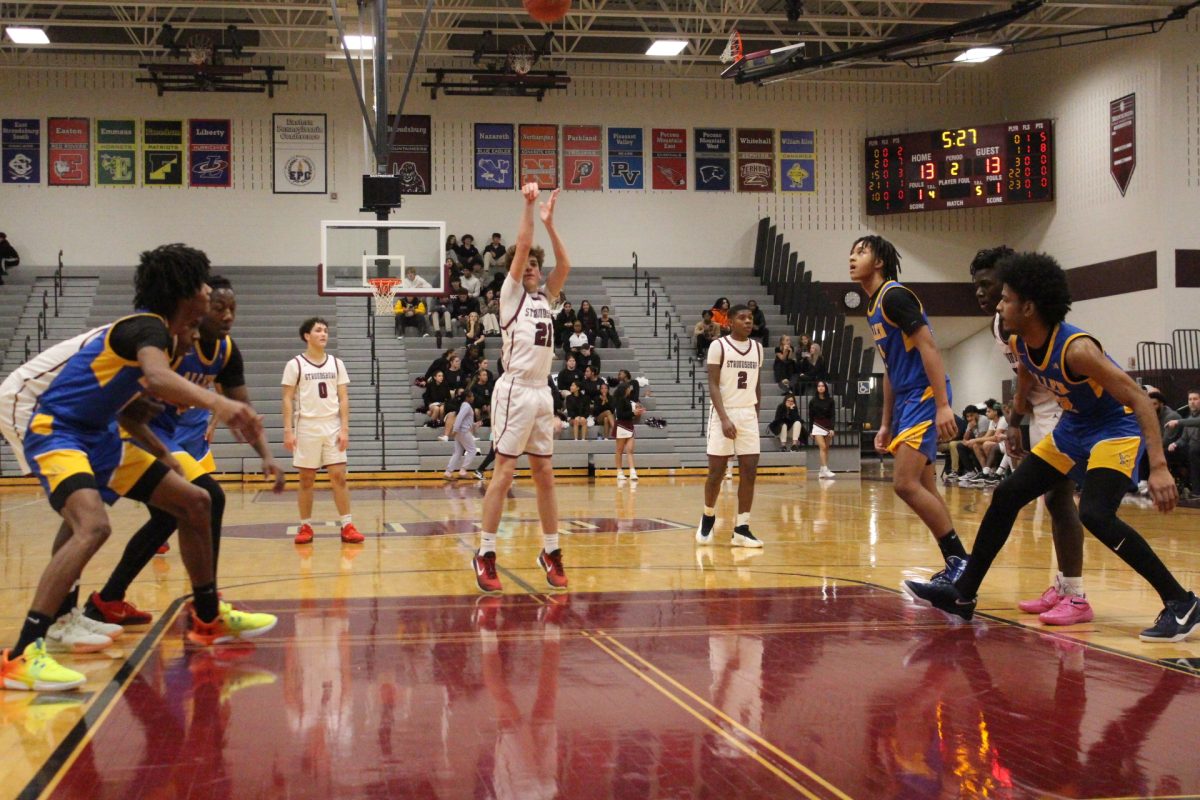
[
  {"x": 902, "y": 308},
  {"x": 129, "y": 336},
  {"x": 233, "y": 374}
]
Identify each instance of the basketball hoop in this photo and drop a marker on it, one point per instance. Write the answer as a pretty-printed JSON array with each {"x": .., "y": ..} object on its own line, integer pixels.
[
  {"x": 733, "y": 48},
  {"x": 200, "y": 50},
  {"x": 385, "y": 295},
  {"x": 520, "y": 59}
]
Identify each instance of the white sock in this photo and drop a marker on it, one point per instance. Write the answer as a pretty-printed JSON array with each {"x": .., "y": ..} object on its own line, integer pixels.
[
  {"x": 709, "y": 511},
  {"x": 742, "y": 519},
  {"x": 549, "y": 542},
  {"x": 487, "y": 543},
  {"x": 345, "y": 520},
  {"x": 987, "y": 470},
  {"x": 306, "y": 521},
  {"x": 1072, "y": 586}
]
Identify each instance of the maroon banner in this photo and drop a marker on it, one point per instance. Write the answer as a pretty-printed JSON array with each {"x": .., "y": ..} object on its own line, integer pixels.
[
  {"x": 69, "y": 151},
  {"x": 539, "y": 155},
  {"x": 410, "y": 155},
  {"x": 582, "y": 153},
  {"x": 755, "y": 160},
  {"x": 1122, "y": 135},
  {"x": 668, "y": 158}
]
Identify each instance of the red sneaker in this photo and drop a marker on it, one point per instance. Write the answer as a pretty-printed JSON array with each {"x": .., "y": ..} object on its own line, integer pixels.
[
  {"x": 163, "y": 549},
  {"x": 118, "y": 612},
  {"x": 485, "y": 572},
  {"x": 350, "y": 534},
  {"x": 305, "y": 534},
  {"x": 552, "y": 564}
]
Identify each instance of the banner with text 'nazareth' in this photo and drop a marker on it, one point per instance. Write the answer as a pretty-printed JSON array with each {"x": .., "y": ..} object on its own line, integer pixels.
[
  {"x": 162, "y": 152},
  {"x": 210, "y": 153},
  {"x": 539, "y": 155},
  {"x": 583, "y": 149},
  {"x": 299, "y": 153},
  {"x": 494, "y": 146},
  {"x": 21, "y": 151},
  {"x": 116, "y": 152},
  {"x": 67, "y": 142}
]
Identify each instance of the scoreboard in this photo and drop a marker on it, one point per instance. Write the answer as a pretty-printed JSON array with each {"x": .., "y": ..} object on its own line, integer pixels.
[{"x": 989, "y": 165}]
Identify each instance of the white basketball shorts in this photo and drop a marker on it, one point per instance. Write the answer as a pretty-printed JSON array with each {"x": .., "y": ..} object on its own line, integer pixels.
[
  {"x": 746, "y": 443},
  {"x": 522, "y": 418},
  {"x": 316, "y": 444}
]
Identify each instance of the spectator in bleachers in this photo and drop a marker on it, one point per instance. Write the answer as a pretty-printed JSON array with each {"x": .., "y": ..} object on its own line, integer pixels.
[
  {"x": 822, "y": 416},
  {"x": 590, "y": 384},
  {"x": 497, "y": 279},
  {"x": 1185, "y": 451},
  {"x": 986, "y": 440},
  {"x": 480, "y": 388},
  {"x": 472, "y": 360},
  {"x": 564, "y": 324},
  {"x": 474, "y": 329},
  {"x": 410, "y": 312},
  {"x": 803, "y": 345},
  {"x": 463, "y": 434},
  {"x": 759, "y": 329},
  {"x": 602, "y": 412},
  {"x": 577, "y": 340},
  {"x": 705, "y": 333},
  {"x": 622, "y": 404},
  {"x": 578, "y": 409},
  {"x": 435, "y": 397},
  {"x": 810, "y": 366},
  {"x": 456, "y": 384},
  {"x": 8, "y": 256},
  {"x": 490, "y": 318},
  {"x": 468, "y": 255},
  {"x": 588, "y": 357},
  {"x": 962, "y": 460},
  {"x": 494, "y": 254},
  {"x": 439, "y": 313},
  {"x": 569, "y": 374},
  {"x": 470, "y": 282},
  {"x": 1170, "y": 435},
  {"x": 439, "y": 364},
  {"x": 720, "y": 315},
  {"x": 787, "y": 422},
  {"x": 785, "y": 362},
  {"x": 587, "y": 316},
  {"x": 451, "y": 250},
  {"x": 461, "y": 307},
  {"x": 606, "y": 330},
  {"x": 412, "y": 283}
]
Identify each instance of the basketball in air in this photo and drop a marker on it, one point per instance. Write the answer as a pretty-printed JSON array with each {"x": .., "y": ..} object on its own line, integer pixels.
[{"x": 547, "y": 10}]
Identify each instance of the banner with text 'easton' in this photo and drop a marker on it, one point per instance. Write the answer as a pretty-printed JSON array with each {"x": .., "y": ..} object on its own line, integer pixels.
[{"x": 67, "y": 140}]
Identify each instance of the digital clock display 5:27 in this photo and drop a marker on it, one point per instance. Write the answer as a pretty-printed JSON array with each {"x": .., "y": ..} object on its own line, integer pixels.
[{"x": 1002, "y": 164}]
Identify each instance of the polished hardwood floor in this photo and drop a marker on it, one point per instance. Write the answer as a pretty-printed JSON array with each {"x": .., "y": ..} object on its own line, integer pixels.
[{"x": 667, "y": 670}]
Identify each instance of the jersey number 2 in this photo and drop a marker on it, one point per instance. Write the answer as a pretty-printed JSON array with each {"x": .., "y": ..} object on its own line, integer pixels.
[
  {"x": 742, "y": 379},
  {"x": 322, "y": 390},
  {"x": 541, "y": 336}
]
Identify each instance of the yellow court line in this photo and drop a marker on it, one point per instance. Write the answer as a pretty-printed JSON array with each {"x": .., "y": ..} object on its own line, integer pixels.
[
  {"x": 738, "y": 743},
  {"x": 752, "y": 734},
  {"x": 52, "y": 784}
]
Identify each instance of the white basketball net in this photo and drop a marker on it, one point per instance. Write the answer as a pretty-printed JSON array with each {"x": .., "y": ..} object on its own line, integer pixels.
[
  {"x": 385, "y": 296},
  {"x": 520, "y": 59}
]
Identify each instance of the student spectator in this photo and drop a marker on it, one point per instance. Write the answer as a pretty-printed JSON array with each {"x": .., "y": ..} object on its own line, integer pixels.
[
  {"x": 720, "y": 315},
  {"x": 472, "y": 360},
  {"x": 490, "y": 318},
  {"x": 578, "y": 409},
  {"x": 787, "y": 422},
  {"x": 822, "y": 414},
  {"x": 439, "y": 313},
  {"x": 590, "y": 384},
  {"x": 8, "y": 257},
  {"x": 602, "y": 412},
  {"x": 461, "y": 307},
  {"x": 480, "y": 388},
  {"x": 759, "y": 329},
  {"x": 785, "y": 362},
  {"x": 1185, "y": 451},
  {"x": 803, "y": 345},
  {"x": 606, "y": 330},
  {"x": 470, "y": 282},
  {"x": 456, "y": 385},
  {"x": 587, "y": 316},
  {"x": 412, "y": 283},
  {"x": 439, "y": 364},
  {"x": 588, "y": 357},
  {"x": 451, "y": 250},
  {"x": 410, "y": 312},
  {"x": 468, "y": 254},
  {"x": 564, "y": 324},
  {"x": 494, "y": 254},
  {"x": 474, "y": 329},
  {"x": 963, "y": 465},
  {"x": 705, "y": 333},
  {"x": 1170, "y": 434},
  {"x": 577, "y": 340},
  {"x": 435, "y": 397},
  {"x": 811, "y": 366},
  {"x": 568, "y": 375},
  {"x": 985, "y": 442}
]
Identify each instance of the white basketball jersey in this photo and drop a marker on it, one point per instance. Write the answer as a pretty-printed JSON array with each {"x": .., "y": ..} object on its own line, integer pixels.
[
  {"x": 316, "y": 386},
  {"x": 740, "y": 363},
  {"x": 24, "y": 385},
  {"x": 527, "y": 333},
  {"x": 1038, "y": 394}
]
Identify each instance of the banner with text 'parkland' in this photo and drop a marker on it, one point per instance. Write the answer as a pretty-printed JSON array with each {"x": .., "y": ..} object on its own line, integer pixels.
[
  {"x": 67, "y": 150},
  {"x": 494, "y": 155},
  {"x": 210, "y": 153},
  {"x": 583, "y": 153},
  {"x": 712, "y": 150},
  {"x": 21, "y": 151}
]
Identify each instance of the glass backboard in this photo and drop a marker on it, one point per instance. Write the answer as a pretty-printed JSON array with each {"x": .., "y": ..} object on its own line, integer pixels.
[{"x": 353, "y": 251}]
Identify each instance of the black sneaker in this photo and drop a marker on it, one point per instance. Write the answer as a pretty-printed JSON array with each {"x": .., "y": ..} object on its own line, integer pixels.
[
  {"x": 942, "y": 595},
  {"x": 951, "y": 572},
  {"x": 704, "y": 533},
  {"x": 742, "y": 537},
  {"x": 1175, "y": 622}
]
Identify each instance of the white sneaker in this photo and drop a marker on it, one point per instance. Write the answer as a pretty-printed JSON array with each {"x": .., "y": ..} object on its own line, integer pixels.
[
  {"x": 95, "y": 626},
  {"x": 444, "y": 438},
  {"x": 633, "y": 476},
  {"x": 620, "y": 476},
  {"x": 826, "y": 472},
  {"x": 1143, "y": 488},
  {"x": 701, "y": 536},
  {"x": 66, "y": 635},
  {"x": 742, "y": 537}
]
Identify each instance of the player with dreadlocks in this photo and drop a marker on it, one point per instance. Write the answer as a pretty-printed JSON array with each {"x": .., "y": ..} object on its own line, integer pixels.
[{"x": 916, "y": 390}]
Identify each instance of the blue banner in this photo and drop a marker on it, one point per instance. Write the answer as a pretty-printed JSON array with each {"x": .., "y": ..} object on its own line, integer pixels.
[
  {"x": 210, "y": 152},
  {"x": 21, "y": 150},
  {"x": 626, "y": 158},
  {"x": 712, "y": 148},
  {"x": 494, "y": 147},
  {"x": 798, "y": 160}
]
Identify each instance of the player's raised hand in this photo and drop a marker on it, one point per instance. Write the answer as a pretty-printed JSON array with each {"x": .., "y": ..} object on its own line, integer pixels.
[
  {"x": 546, "y": 209},
  {"x": 241, "y": 418},
  {"x": 530, "y": 191}
]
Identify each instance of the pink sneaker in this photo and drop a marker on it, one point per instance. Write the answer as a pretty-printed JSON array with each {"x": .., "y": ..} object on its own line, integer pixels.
[
  {"x": 1049, "y": 599},
  {"x": 1069, "y": 611}
]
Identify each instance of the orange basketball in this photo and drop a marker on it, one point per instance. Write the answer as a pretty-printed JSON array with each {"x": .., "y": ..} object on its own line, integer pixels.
[{"x": 547, "y": 10}]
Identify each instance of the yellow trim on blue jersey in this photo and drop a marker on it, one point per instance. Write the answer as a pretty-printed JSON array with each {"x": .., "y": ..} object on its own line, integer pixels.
[
  {"x": 58, "y": 465},
  {"x": 911, "y": 436},
  {"x": 192, "y": 468},
  {"x": 927, "y": 394},
  {"x": 42, "y": 424},
  {"x": 1048, "y": 451},
  {"x": 208, "y": 463},
  {"x": 1049, "y": 350},
  {"x": 1062, "y": 361},
  {"x": 879, "y": 298},
  {"x": 134, "y": 463},
  {"x": 107, "y": 363},
  {"x": 208, "y": 362},
  {"x": 1120, "y": 454}
]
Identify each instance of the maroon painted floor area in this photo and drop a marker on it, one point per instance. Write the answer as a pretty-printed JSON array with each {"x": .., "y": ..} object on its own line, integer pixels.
[{"x": 836, "y": 692}]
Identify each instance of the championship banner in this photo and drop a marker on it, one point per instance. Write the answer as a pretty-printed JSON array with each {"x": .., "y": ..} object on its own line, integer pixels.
[
  {"x": 582, "y": 155},
  {"x": 539, "y": 155},
  {"x": 1122, "y": 137},
  {"x": 21, "y": 151},
  {"x": 210, "y": 153},
  {"x": 494, "y": 147},
  {"x": 162, "y": 152},
  {"x": 410, "y": 155},
  {"x": 68, "y": 141},
  {"x": 299, "y": 154},
  {"x": 712, "y": 159},
  {"x": 798, "y": 161},
  {"x": 668, "y": 157},
  {"x": 756, "y": 160},
  {"x": 626, "y": 158},
  {"x": 116, "y": 152}
]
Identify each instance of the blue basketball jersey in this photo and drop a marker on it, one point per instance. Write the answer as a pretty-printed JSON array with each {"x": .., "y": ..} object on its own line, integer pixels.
[
  {"x": 1082, "y": 398},
  {"x": 95, "y": 383},
  {"x": 176, "y": 423},
  {"x": 903, "y": 362}
]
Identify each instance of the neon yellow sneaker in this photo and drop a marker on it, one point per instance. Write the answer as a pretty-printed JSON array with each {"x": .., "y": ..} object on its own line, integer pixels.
[
  {"x": 35, "y": 670},
  {"x": 230, "y": 626}
]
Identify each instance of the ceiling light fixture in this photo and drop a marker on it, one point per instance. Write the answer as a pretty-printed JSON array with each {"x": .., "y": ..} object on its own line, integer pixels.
[
  {"x": 354, "y": 42},
  {"x": 27, "y": 35},
  {"x": 666, "y": 47},
  {"x": 977, "y": 55}
]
